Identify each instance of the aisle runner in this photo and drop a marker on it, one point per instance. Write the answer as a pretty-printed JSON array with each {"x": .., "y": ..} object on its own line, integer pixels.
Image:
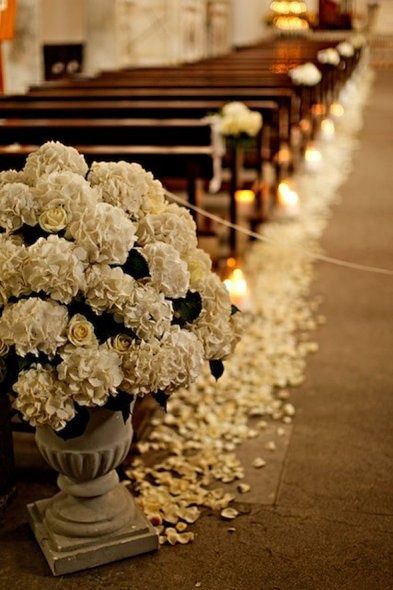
[{"x": 191, "y": 459}]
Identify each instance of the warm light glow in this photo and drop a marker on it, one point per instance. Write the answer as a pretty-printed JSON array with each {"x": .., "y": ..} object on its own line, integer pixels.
[
  {"x": 245, "y": 196},
  {"x": 305, "y": 125},
  {"x": 288, "y": 200},
  {"x": 290, "y": 23},
  {"x": 231, "y": 262},
  {"x": 337, "y": 110},
  {"x": 328, "y": 129},
  {"x": 238, "y": 289},
  {"x": 319, "y": 109},
  {"x": 288, "y": 7},
  {"x": 313, "y": 155},
  {"x": 284, "y": 155}
]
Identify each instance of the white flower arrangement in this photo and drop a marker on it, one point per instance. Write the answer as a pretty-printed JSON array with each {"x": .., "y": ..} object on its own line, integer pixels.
[
  {"x": 305, "y": 75},
  {"x": 358, "y": 41},
  {"x": 345, "y": 49},
  {"x": 236, "y": 120},
  {"x": 104, "y": 294},
  {"x": 329, "y": 56}
]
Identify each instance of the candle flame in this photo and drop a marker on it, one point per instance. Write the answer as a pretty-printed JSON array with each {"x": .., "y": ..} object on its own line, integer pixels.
[
  {"x": 328, "y": 128},
  {"x": 313, "y": 155},
  {"x": 287, "y": 197},
  {"x": 236, "y": 284},
  {"x": 337, "y": 109},
  {"x": 245, "y": 196}
]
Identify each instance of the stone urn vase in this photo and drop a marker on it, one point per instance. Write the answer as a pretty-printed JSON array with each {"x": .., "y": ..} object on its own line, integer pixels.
[{"x": 93, "y": 519}]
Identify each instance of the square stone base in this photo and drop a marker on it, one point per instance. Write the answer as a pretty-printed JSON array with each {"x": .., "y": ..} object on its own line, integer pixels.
[{"x": 66, "y": 555}]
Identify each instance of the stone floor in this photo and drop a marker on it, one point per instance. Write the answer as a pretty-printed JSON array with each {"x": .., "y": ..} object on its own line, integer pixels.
[{"x": 331, "y": 524}]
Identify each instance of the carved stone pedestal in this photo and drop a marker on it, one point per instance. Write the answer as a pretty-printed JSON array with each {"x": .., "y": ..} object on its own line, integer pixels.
[
  {"x": 93, "y": 519},
  {"x": 71, "y": 554}
]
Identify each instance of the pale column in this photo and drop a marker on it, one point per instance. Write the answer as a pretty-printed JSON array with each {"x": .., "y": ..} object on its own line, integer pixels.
[
  {"x": 219, "y": 23},
  {"x": 101, "y": 43},
  {"x": 249, "y": 21},
  {"x": 22, "y": 57}
]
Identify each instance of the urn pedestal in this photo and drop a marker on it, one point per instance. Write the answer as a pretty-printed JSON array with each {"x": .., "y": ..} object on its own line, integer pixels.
[{"x": 93, "y": 519}]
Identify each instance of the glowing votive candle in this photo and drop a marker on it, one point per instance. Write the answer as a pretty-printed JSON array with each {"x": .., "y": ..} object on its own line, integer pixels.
[
  {"x": 328, "y": 130},
  {"x": 245, "y": 196},
  {"x": 284, "y": 155},
  {"x": 288, "y": 201},
  {"x": 336, "y": 110},
  {"x": 244, "y": 199},
  {"x": 312, "y": 159},
  {"x": 238, "y": 289}
]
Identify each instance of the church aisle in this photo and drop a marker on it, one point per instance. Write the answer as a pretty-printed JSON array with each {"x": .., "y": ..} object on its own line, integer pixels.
[{"x": 332, "y": 524}]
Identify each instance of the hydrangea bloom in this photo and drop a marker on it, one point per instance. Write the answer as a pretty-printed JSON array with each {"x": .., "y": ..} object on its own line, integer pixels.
[{"x": 103, "y": 289}]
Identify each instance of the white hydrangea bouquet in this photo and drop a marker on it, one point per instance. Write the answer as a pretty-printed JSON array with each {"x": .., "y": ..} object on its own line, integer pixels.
[
  {"x": 305, "y": 75},
  {"x": 237, "y": 122},
  {"x": 329, "y": 56},
  {"x": 104, "y": 293}
]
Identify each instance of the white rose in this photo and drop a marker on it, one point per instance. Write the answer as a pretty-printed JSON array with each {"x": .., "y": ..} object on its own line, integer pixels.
[
  {"x": 168, "y": 272},
  {"x": 53, "y": 220},
  {"x": 80, "y": 331},
  {"x": 121, "y": 343},
  {"x": 53, "y": 157}
]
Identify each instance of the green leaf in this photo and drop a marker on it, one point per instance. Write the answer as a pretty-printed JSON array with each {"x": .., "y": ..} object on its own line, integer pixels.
[
  {"x": 76, "y": 426},
  {"x": 188, "y": 308},
  {"x": 216, "y": 368},
  {"x": 120, "y": 403},
  {"x": 162, "y": 399},
  {"x": 234, "y": 309},
  {"x": 136, "y": 265}
]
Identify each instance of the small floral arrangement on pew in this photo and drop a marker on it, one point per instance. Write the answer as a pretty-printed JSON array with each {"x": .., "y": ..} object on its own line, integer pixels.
[
  {"x": 237, "y": 122},
  {"x": 345, "y": 49},
  {"x": 329, "y": 56},
  {"x": 104, "y": 293},
  {"x": 305, "y": 75},
  {"x": 358, "y": 41}
]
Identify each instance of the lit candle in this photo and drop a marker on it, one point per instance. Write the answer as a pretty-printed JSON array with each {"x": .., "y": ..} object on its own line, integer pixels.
[
  {"x": 312, "y": 159},
  {"x": 336, "y": 110},
  {"x": 328, "y": 130},
  {"x": 318, "y": 109},
  {"x": 238, "y": 289},
  {"x": 244, "y": 199},
  {"x": 305, "y": 126},
  {"x": 284, "y": 155},
  {"x": 288, "y": 201}
]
